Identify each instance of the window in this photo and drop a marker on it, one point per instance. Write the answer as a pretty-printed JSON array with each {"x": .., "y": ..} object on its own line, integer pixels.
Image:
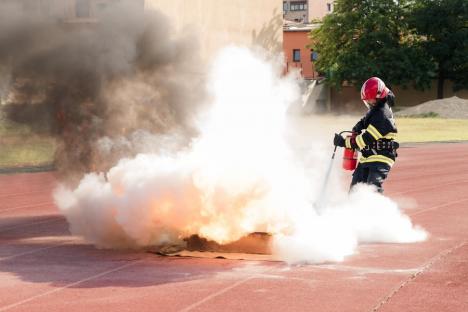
[
  {"x": 296, "y": 55},
  {"x": 329, "y": 7},
  {"x": 285, "y": 6},
  {"x": 298, "y": 6},
  {"x": 82, "y": 8},
  {"x": 313, "y": 56}
]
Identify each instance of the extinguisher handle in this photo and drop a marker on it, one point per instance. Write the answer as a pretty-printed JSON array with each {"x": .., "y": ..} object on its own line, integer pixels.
[
  {"x": 334, "y": 151},
  {"x": 346, "y": 131}
]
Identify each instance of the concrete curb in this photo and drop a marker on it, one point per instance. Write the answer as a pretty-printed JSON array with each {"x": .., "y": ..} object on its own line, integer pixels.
[{"x": 28, "y": 169}]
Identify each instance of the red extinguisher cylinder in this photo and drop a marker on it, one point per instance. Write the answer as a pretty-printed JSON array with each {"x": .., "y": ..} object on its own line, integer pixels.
[{"x": 350, "y": 156}]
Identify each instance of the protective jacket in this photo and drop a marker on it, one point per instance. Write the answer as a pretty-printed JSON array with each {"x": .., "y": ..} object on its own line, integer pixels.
[{"x": 378, "y": 142}]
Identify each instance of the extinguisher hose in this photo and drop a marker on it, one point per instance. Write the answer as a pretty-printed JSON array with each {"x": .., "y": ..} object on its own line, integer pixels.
[
  {"x": 346, "y": 131},
  {"x": 321, "y": 202}
]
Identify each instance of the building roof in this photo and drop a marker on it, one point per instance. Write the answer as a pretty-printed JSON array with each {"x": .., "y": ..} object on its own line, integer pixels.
[{"x": 295, "y": 26}]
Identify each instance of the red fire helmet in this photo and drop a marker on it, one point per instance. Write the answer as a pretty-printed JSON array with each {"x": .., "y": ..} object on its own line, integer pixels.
[{"x": 373, "y": 88}]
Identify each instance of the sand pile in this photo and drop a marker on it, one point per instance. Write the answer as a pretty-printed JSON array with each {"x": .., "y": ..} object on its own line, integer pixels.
[{"x": 453, "y": 107}]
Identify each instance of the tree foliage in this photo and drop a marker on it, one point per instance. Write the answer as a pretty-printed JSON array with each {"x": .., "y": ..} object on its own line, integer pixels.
[
  {"x": 364, "y": 38},
  {"x": 442, "y": 26}
]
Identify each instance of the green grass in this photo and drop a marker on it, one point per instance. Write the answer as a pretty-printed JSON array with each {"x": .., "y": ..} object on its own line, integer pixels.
[
  {"x": 20, "y": 151},
  {"x": 8, "y": 128},
  {"x": 422, "y": 115},
  {"x": 410, "y": 130},
  {"x": 432, "y": 129},
  {"x": 20, "y": 146}
]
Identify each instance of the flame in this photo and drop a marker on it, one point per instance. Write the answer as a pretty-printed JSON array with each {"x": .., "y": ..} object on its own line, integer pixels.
[{"x": 229, "y": 183}]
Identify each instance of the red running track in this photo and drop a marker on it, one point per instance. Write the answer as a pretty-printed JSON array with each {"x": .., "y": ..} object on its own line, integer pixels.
[{"x": 43, "y": 268}]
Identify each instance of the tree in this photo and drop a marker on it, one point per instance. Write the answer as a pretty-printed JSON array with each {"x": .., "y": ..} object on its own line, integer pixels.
[
  {"x": 364, "y": 38},
  {"x": 443, "y": 28}
]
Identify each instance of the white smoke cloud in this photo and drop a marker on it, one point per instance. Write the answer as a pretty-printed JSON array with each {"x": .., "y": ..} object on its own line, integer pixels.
[
  {"x": 241, "y": 175},
  {"x": 364, "y": 217}
]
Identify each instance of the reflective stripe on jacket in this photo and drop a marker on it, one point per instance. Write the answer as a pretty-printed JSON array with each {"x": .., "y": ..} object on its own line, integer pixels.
[{"x": 376, "y": 128}]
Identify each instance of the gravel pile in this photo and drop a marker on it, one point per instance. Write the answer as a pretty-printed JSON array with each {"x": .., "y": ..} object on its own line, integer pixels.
[{"x": 453, "y": 107}]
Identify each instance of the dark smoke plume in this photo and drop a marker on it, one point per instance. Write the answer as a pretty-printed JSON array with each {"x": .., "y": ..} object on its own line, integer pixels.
[{"x": 114, "y": 78}]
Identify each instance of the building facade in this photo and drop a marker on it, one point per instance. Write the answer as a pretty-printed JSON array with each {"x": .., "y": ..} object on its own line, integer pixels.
[
  {"x": 319, "y": 8},
  {"x": 216, "y": 24},
  {"x": 296, "y": 11},
  {"x": 305, "y": 11},
  {"x": 69, "y": 10},
  {"x": 212, "y": 23},
  {"x": 298, "y": 56}
]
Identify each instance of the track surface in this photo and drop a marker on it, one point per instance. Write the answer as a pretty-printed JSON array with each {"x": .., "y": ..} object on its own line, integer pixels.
[{"x": 43, "y": 268}]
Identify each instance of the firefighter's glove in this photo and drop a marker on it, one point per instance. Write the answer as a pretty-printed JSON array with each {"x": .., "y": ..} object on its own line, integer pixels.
[{"x": 338, "y": 140}]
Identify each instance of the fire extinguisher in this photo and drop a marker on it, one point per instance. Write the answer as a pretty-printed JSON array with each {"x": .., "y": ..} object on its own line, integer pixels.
[{"x": 350, "y": 155}]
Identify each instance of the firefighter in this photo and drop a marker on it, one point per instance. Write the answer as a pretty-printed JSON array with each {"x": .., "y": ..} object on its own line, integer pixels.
[{"x": 375, "y": 135}]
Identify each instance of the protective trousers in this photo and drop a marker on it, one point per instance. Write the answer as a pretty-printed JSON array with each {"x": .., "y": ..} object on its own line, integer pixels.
[{"x": 371, "y": 173}]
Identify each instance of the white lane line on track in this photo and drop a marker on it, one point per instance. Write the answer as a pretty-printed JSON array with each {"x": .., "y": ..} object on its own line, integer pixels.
[
  {"x": 224, "y": 290},
  {"x": 28, "y": 206},
  {"x": 215, "y": 294},
  {"x": 14, "y": 305},
  {"x": 437, "y": 176},
  {"x": 427, "y": 188},
  {"x": 439, "y": 257},
  {"x": 53, "y": 219},
  {"x": 34, "y": 251},
  {"x": 3, "y": 195},
  {"x": 438, "y": 207}
]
